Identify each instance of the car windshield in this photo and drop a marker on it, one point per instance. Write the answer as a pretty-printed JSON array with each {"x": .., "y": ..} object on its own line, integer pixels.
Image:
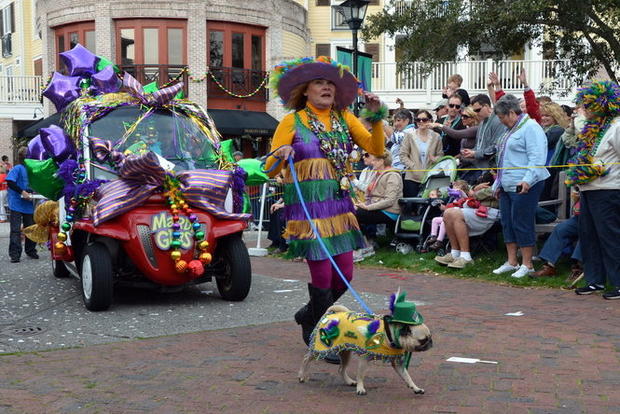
[{"x": 171, "y": 135}]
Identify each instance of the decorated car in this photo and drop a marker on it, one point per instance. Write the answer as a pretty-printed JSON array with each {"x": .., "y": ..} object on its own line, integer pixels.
[{"x": 140, "y": 190}]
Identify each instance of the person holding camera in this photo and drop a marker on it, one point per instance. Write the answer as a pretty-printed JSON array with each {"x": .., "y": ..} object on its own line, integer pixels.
[
  {"x": 489, "y": 131},
  {"x": 523, "y": 145}
]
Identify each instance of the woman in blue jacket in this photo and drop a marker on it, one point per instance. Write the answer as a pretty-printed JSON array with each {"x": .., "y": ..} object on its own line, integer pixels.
[{"x": 523, "y": 145}]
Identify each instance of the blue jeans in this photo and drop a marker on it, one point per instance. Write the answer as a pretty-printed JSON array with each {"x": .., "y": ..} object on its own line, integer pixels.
[
  {"x": 599, "y": 232},
  {"x": 564, "y": 235},
  {"x": 518, "y": 215}
]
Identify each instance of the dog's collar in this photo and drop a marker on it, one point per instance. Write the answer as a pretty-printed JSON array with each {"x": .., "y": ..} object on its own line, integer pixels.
[{"x": 388, "y": 332}]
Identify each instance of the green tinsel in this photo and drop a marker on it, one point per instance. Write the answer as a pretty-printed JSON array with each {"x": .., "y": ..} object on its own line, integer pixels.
[{"x": 375, "y": 116}]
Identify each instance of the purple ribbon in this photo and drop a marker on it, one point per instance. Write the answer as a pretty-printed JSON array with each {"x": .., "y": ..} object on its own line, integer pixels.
[
  {"x": 142, "y": 176},
  {"x": 157, "y": 98}
]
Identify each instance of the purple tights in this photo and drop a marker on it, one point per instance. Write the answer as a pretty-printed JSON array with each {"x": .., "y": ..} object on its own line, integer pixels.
[{"x": 324, "y": 276}]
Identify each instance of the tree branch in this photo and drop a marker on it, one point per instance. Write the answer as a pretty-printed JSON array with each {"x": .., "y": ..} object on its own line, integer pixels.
[{"x": 598, "y": 53}]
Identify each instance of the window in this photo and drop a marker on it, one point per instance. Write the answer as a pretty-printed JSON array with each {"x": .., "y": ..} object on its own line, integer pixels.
[
  {"x": 151, "y": 41},
  {"x": 373, "y": 49},
  {"x": 7, "y": 14},
  {"x": 323, "y": 49},
  {"x": 70, "y": 35},
  {"x": 237, "y": 50},
  {"x": 38, "y": 66},
  {"x": 236, "y": 45},
  {"x": 257, "y": 52},
  {"x": 216, "y": 48}
]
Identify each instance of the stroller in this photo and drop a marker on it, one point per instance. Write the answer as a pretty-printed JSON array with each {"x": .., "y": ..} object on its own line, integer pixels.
[{"x": 414, "y": 223}]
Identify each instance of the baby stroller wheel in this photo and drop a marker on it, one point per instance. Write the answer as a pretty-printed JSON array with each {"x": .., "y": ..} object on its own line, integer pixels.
[{"x": 404, "y": 248}]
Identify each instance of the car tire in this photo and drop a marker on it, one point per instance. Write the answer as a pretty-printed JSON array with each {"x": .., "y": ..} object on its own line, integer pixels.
[
  {"x": 235, "y": 285},
  {"x": 97, "y": 278},
  {"x": 59, "y": 269}
]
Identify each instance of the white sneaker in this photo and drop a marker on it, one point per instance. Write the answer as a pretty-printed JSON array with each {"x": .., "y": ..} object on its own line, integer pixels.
[
  {"x": 505, "y": 268},
  {"x": 523, "y": 271}
]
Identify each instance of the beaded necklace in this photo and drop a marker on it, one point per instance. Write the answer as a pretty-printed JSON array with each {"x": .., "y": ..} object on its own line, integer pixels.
[
  {"x": 334, "y": 144},
  {"x": 582, "y": 171}
]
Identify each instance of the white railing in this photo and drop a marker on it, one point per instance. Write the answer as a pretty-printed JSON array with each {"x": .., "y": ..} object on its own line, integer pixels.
[
  {"x": 387, "y": 76},
  {"x": 20, "y": 89}
]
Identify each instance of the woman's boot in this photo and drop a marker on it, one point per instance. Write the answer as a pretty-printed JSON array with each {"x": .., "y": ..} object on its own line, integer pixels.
[{"x": 305, "y": 318}]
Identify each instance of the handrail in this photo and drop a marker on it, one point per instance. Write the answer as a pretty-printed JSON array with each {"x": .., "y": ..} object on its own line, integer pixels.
[{"x": 20, "y": 89}]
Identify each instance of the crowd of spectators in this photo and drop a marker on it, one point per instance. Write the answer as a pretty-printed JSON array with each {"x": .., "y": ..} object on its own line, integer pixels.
[{"x": 510, "y": 151}]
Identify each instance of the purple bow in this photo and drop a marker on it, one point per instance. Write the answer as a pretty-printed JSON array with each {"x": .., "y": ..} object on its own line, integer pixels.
[
  {"x": 142, "y": 176},
  {"x": 157, "y": 98}
]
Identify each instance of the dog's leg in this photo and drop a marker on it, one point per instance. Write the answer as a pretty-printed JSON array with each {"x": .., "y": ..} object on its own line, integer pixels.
[
  {"x": 404, "y": 374},
  {"x": 303, "y": 375},
  {"x": 362, "y": 367},
  {"x": 345, "y": 358}
]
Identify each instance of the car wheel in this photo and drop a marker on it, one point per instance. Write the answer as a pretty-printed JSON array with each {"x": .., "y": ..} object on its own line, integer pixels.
[
  {"x": 96, "y": 278},
  {"x": 237, "y": 278},
  {"x": 59, "y": 269}
]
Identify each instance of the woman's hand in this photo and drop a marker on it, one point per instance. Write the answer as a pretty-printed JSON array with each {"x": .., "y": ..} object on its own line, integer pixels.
[
  {"x": 468, "y": 153},
  {"x": 360, "y": 205},
  {"x": 26, "y": 195},
  {"x": 434, "y": 125},
  {"x": 284, "y": 152},
  {"x": 275, "y": 207},
  {"x": 525, "y": 187},
  {"x": 373, "y": 103}
]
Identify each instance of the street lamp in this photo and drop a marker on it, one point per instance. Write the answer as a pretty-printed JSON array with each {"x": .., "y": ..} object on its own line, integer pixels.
[{"x": 353, "y": 12}]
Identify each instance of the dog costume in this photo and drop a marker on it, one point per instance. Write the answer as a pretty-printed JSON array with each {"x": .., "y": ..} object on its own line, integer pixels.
[{"x": 364, "y": 334}]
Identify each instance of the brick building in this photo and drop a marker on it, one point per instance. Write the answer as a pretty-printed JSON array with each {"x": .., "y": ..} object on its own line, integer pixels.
[{"x": 226, "y": 46}]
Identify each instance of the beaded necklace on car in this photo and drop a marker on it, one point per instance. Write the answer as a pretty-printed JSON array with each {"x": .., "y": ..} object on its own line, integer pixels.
[
  {"x": 177, "y": 204},
  {"x": 334, "y": 144}
]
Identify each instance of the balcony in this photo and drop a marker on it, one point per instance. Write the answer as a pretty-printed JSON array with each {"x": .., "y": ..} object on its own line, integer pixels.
[
  {"x": 20, "y": 97},
  {"x": 160, "y": 74},
  {"x": 7, "y": 45},
  {"x": 409, "y": 83},
  {"x": 236, "y": 82}
]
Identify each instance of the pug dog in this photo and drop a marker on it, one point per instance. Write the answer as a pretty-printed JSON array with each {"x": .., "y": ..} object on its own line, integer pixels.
[{"x": 371, "y": 337}]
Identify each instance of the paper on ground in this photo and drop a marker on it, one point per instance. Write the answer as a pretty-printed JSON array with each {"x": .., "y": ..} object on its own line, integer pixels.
[
  {"x": 469, "y": 360},
  {"x": 518, "y": 313}
]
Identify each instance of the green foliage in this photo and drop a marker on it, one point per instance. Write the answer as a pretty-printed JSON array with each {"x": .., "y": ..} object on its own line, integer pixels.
[{"x": 586, "y": 32}]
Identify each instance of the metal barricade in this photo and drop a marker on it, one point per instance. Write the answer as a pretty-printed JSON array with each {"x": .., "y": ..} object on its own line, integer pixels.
[{"x": 273, "y": 194}]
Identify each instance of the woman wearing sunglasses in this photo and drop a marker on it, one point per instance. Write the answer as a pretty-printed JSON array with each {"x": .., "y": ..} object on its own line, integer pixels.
[
  {"x": 420, "y": 148},
  {"x": 467, "y": 136}
]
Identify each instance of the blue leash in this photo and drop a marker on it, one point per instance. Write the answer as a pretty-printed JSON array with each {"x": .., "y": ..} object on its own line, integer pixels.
[{"x": 320, "y": 239}]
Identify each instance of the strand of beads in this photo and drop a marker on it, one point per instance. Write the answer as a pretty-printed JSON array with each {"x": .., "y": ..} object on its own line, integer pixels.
[
  {"x": 196, "y": 266},
  {"x": 73, "y": 207}
]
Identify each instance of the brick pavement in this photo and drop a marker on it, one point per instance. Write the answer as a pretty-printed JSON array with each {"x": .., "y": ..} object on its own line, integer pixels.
[{"x": 562, "y": 356}]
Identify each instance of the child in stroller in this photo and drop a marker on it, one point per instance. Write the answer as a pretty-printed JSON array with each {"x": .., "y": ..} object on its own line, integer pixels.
[
  {"x": 457, "y": 195},
  {"x": 414, "y": 223}
]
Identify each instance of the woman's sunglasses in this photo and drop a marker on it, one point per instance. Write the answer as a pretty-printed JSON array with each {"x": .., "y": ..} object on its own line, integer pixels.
[
  {"x": 422, "y": 119},
  {"x": 454, "y": 105},
  {"x": 465, "y": 116}
]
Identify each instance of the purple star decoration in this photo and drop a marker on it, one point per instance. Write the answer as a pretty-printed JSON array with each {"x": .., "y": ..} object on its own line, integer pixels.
[
  {"x": 36, "y": 151},
  {"x": 57, "y": 143},
  {"x": 79, "y": 61},
  {"x": 62, "y": 90},
  {"x": 105, "y": 81}
]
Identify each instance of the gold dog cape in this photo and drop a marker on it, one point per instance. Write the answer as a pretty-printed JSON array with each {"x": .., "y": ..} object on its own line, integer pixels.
[{"x": 361, "y": 333}]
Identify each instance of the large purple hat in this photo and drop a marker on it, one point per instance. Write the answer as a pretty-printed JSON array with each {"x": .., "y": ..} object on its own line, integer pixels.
[{"x": 287, "y": 75}]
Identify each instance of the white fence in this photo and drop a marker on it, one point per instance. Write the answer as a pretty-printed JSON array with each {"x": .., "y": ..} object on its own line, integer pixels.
[
  {"x": 409, "y": 82},
  {"x": 20, "y": 89}
]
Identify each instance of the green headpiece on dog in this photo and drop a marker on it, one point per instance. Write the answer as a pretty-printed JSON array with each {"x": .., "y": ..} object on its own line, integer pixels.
[{"x": 404, "y": 311}]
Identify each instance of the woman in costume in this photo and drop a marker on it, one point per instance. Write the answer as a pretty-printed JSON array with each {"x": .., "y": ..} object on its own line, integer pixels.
[
  {"x": 597, "y": 173},
  {"x": 320, "y": 135}
]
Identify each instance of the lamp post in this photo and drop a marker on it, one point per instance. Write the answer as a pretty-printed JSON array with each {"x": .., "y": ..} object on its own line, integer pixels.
[{"x": 354, "y": 12}]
